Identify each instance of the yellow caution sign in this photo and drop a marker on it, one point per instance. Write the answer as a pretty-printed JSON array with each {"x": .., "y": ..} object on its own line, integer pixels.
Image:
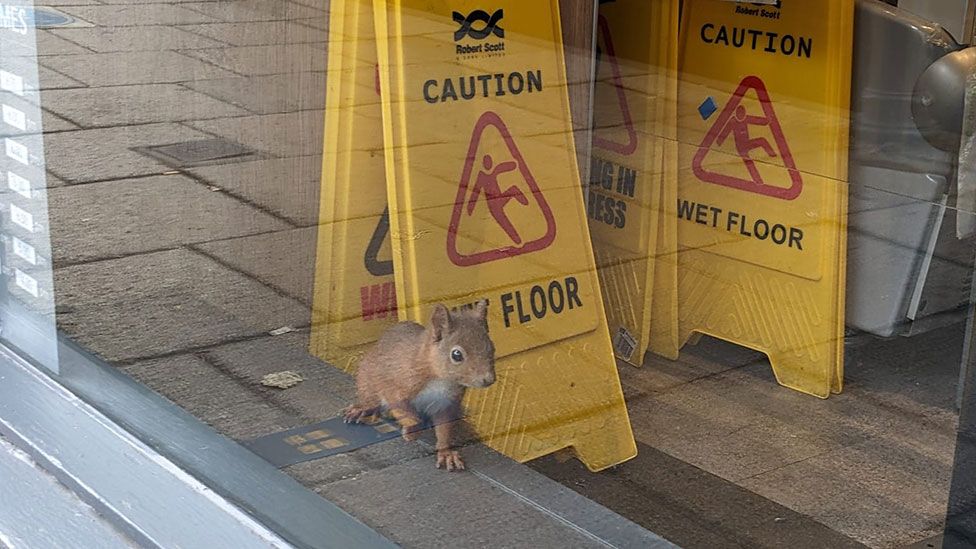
[
  {"x": 355, "y": 295},
  {"x": 485, "y": 202},
  {"x": 761, "y": 205},
  {"x": 634, "y": 101}
]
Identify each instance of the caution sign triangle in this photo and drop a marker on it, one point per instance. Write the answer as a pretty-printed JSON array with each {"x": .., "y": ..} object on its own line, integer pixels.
[
  {"x": 738, "y": 127},
  {"x": 615, "y": 131},
  {"x": 495, "y": 188}
]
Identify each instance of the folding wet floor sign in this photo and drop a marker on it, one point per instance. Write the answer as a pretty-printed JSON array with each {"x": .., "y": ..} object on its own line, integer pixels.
[
  {"x": 355, "y": 295},
  {"x": 485, "y": 202},
  {"x": 634, "y": 102},
  {"x": 761, "y": 204}
]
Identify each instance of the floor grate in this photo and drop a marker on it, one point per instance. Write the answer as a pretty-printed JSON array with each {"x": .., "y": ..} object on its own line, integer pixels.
[{"x": 202, "y": 152}]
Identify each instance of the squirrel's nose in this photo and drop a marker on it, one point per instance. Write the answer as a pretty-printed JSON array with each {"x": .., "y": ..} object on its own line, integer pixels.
[{"x": 488, "y": 380}]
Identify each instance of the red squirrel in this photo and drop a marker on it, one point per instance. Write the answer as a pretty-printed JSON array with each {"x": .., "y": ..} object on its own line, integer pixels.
[{"x": 415, "y": 372}]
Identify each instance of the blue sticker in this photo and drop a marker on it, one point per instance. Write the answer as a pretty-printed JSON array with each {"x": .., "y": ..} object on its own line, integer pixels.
[
  {"x": 44, "y": 18},
  {"x": 707, "y": 108}
]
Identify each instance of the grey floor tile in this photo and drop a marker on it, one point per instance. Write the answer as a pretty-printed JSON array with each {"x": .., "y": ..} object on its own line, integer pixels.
[
  {"x": 72, "y": 2},
  {"x": 54, "y": 123},
  {"x": 255, "y": 10},
  {"x": 53, "y": 80},
  {"x": 658, "y": 374},
  {"x": 46, "y": 80},
  {"x": 702, "y": 425},
  {"x": 175, "y": 2},
  {"x": 116, "y": 39},
  {"x": 148, "y": 305},
  {"x": 95, "y": 155},
  {"x": 324, "y": 471},
  {"x": 257, "y": 33},
  {"x": 319, "y": 22},
  {"x": 282, "y": 259},
  {"x": 466, "y": 507},
  {"x": 49, "y": 43},
  {"x": 883, "y": 494},
  {"x": 739, "y": 423},
  {"x": 233, "y": 407},
  {"x": 283, "y": 59},
  {"x": 317, "y": 4},
  {"x": 851, "y": 461},
  {"x": 144, "y": 67},
  {"x": 324, "y": 392},
  {"x": 139, "y": 104},
  {"x": 260, "y": 183},
  {"x": 269, "y": 94},
  {"x": 283, "y": 135},
  {"x": 128, "y": 216},
  {"x": 137, "y": 15}
]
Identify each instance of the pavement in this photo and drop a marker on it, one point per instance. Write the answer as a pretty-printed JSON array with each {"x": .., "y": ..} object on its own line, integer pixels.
[{"x": 178, "y": 277}]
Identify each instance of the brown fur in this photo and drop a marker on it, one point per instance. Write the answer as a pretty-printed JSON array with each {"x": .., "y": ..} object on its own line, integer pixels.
[{"x": 411, "y": 367}]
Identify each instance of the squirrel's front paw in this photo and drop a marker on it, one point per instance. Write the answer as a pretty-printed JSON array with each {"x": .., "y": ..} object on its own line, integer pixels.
[
  {"x": 410, "y": 432},
  {"x": 357, "y": 414},
  {"x": 450, "y": 460}
]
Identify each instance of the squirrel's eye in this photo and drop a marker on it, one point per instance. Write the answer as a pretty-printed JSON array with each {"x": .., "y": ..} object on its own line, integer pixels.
[{"x": 456, "y": 355}]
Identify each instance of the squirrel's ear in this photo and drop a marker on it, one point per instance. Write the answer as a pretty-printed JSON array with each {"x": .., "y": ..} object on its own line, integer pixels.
[
  {"x": 481, "y": 309},
  {"x": 440, "y": 322}
]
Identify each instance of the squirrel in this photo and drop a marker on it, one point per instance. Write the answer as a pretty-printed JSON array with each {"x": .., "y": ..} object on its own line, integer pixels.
[{"x": 414, "y": 373}]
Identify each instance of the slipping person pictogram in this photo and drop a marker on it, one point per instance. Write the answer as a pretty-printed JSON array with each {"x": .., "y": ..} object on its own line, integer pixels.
[
  {"x": 738, "y": 127},
  {"x": 736, "y": 121},
  {"x": 486, "y": 162},
  {"x": 487, "y": 183}
]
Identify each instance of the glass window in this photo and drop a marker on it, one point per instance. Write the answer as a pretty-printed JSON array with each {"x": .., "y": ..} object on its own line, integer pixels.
[{"x": 619, "y": 273}]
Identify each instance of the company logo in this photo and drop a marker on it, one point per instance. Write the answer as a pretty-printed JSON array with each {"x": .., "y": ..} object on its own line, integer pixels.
[{"x": 478, "y": 16}]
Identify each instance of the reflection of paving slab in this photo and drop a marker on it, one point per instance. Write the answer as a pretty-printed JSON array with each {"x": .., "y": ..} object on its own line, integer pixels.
[
  {"x": 301, "y": 92},
  {"x": 213, "y": 395},
  {"x": 152, "y": 304},
  {"x": 284, "y": 260},
  {"x": 137, "y": 15},
  {"x": 123, "y": 105},
  {"x": 256, "y": 10},
  {"x": 115, "y": 39},
  {"x": 285, "y": 135},
  {"x": 100, "y": 154},
  {"x": 182, "y": 212},
  {"x": 258, "y": 33},
  {"x": 281, "y": 59},
  {"x": 496, "y": 503},
  {"x": 288, "y": 187},
  {"x": 144, "y": 67}
]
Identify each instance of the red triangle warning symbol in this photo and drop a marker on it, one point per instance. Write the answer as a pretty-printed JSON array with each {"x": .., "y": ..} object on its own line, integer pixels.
[
  {"x": 735, "y": 122},
  {"x": 514, "y": 207},
  {"x": 614, "y": 130}
]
